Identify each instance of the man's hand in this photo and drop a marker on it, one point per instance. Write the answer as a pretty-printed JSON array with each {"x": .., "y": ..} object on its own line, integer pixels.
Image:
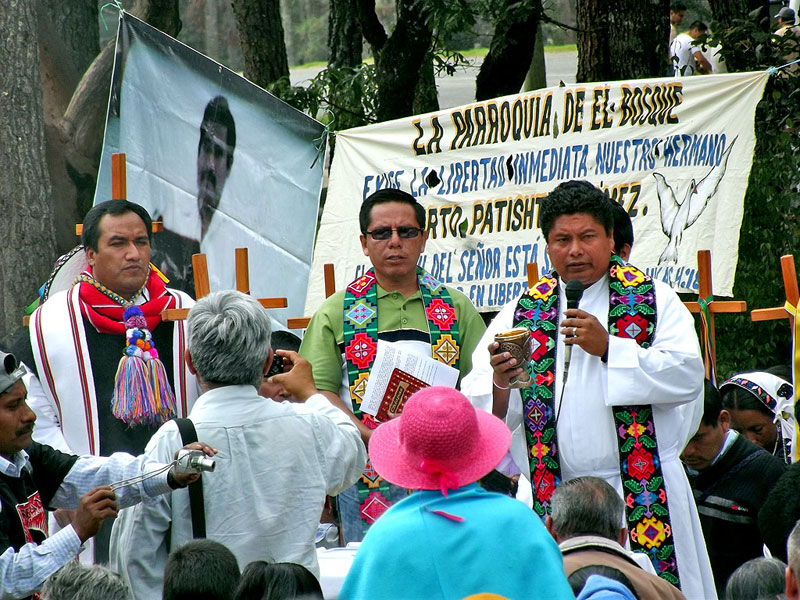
[
  {"x": 184, "y": 479},
  {"x": 299, "y": 380},
  {"x": 504, "y": 365},
  {"x": 94, "y": 507},
  {"x": 586, "y": 330}
]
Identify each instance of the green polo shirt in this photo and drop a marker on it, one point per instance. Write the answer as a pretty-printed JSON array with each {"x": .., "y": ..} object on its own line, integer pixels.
[{"x": 398, "y": 318}]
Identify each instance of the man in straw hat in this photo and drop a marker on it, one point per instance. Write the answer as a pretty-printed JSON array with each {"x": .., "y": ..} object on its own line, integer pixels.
[
  {"x": 78, "y": 338},
  {"x": 450, "y": 538}
]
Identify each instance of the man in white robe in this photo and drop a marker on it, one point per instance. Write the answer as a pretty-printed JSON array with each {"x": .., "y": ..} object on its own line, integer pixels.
[{"x": 606, "y": 371}]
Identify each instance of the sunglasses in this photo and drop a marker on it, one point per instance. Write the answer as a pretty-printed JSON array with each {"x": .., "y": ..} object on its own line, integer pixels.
[{"x": 384, "y": 233}]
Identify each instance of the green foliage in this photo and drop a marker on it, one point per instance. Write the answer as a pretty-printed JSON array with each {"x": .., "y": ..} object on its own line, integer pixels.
[
  {"x": 343, "y": 97},
  {"x": 770, "y": 225}
]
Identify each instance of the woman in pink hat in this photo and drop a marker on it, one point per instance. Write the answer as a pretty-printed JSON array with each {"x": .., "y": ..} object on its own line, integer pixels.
[{"x": 450, "y": 538}]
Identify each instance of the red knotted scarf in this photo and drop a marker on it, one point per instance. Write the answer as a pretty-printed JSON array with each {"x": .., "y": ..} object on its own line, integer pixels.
[{"x": 105, "y": 314}]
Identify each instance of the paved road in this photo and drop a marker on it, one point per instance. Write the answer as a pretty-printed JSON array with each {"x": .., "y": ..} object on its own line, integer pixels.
[{"x": 460, "y": 88}]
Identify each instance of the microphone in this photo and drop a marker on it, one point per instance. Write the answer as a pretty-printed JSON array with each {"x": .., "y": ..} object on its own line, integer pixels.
[{"x": 574, "y": 292}]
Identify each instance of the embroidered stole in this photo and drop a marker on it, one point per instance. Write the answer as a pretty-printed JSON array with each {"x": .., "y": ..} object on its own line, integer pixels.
[
  {"x": 361, "y": 344},
  {"x": 631, "y": 314}
]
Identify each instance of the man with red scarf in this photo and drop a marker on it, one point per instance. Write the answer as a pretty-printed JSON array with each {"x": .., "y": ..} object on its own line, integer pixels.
[{"x": 78, "y": 336}]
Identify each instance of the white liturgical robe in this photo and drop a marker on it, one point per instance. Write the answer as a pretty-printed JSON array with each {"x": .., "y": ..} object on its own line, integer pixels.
[{"x": 668, "y": 375}]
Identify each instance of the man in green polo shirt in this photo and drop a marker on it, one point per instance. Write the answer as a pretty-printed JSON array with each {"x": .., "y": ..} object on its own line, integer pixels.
[{"x": 394, "y": 301}]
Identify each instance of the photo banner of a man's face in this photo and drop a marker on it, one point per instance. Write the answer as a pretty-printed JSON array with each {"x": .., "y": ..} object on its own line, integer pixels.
[{"x": 221, "y": 162}]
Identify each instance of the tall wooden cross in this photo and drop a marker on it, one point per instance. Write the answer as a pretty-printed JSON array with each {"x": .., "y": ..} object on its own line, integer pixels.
[
  {"x": 330, "y": 288},
  {"x": 788, "y": 311},
  {"x": 202, "y": 288},
  {"x": 706, "y": 306}
]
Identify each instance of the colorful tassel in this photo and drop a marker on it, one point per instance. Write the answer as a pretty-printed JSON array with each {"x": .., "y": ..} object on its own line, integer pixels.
[{"x": 142, "y": 393}]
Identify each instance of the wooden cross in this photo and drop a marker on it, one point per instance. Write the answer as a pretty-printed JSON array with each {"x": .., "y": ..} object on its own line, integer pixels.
[
  {"x": 202, "y": 288},
  {"x": 330, "y": 288},
  {"x": 533, "y": 274},
  {"x": 790, "y": 285},
  {"x": 705, "y": 290},
  {"x": 119, "y": 189}
]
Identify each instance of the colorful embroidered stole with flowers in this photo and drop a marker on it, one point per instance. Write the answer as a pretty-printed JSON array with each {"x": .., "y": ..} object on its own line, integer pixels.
[
  {"x": 631, "y": 314},
  {"x": 361, "y": 344}
]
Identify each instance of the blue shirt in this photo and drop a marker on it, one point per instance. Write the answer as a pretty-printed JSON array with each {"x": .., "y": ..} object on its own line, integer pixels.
[{"x": 420, "y": 549}]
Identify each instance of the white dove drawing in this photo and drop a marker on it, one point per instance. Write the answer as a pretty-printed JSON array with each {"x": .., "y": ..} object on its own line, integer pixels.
[{"x": 675, "y": 216}]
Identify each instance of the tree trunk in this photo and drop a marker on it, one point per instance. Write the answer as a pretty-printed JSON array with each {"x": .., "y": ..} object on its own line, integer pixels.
[
  {"x": 505, "y": 66},
  {"x": 399, "y": 59},
  {"x": 83, "y": 124},
  {"x": 75, "y": 25},
  {"x": 261, "y": 40},
  {"x": 344, "y": 34},
  {"x": 27, "y": 224},
  {"x": 622, "y": 39},
  {"x": 537, "y": 72},
  {"x": 426, "y": 98},
  {"x": 345, "y": 46}
]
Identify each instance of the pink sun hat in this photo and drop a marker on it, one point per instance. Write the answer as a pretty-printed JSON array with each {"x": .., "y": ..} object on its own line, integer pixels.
[{"x": 439, "y": 442}]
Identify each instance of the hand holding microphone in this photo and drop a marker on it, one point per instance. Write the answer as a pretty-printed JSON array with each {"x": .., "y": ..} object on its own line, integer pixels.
[{"x": 580, "y": 327}]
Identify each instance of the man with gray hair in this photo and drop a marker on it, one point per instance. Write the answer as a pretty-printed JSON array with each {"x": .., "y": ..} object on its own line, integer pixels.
[
  {"x": 87, "y": 582},
  {"x": 276, "y": 461},
  {"x": 793, "y": 570},
  {"x": 586, "y": 521}
]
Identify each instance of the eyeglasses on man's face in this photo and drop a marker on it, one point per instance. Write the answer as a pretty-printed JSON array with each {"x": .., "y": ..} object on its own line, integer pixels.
[{"x": 384, "y": 233}]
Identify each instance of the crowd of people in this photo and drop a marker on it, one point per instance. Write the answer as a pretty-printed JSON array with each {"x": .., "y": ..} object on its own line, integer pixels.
[
  {"x": 696, "y": 52},
  {"x": 632, "y": 477}
]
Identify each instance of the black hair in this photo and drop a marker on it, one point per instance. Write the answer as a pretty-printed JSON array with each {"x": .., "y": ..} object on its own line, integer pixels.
[
  {"x": 285, "y": 340},
  {"x": 200, "y": 570},
  {"x": 712, "y": 404},
  {"x": 277, "y": 581},
  {"x": 91, "y": 223},
  {"x": 217, "y": 111},
  {"x": 572, "y": 197},
  {"x": 388, "y": 195},
  {"x": 737, "y": 398},
  {"x": 699, "y": 25},
  {"x": 623, "y": 228},
  {"x": 677, "y": 6},
  {"x": 577, "y": 580}
]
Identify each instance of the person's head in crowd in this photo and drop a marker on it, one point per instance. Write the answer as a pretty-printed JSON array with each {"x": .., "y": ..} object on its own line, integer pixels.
[
  {"x": 677, "y": 10},
  {"x": 757, "y": 579},
  {"x": 792, "y": 589},
  {"x": 281, "y": 340},
  {"x": 116, "y": 237},
  {"x": 228, "y": 340},
  {"x": 761, "y": 406},
  {"x": 16, "y": 418},
  {"x": 785, "y": 16},
  {"x": 623, "y": 231},
  {"x": 438, "y": 426},
  {"x": 200, "y": 570},
  {"x": 706, "y": 444},
  {"x": 214, "y": 156},
  {"x": 601, "y": 582},
  {"x": 698, "y": 30},
  {"x": 577, "y": 221},
  {"x": 586, "y": 506},
  {"x": 262, "y": 580},
  {"x": 76, "y": 581},
  {"x": 393, "y": 235}
]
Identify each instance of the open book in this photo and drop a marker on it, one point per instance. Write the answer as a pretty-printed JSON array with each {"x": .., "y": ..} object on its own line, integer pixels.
[{"x": 396, "y": 374}]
